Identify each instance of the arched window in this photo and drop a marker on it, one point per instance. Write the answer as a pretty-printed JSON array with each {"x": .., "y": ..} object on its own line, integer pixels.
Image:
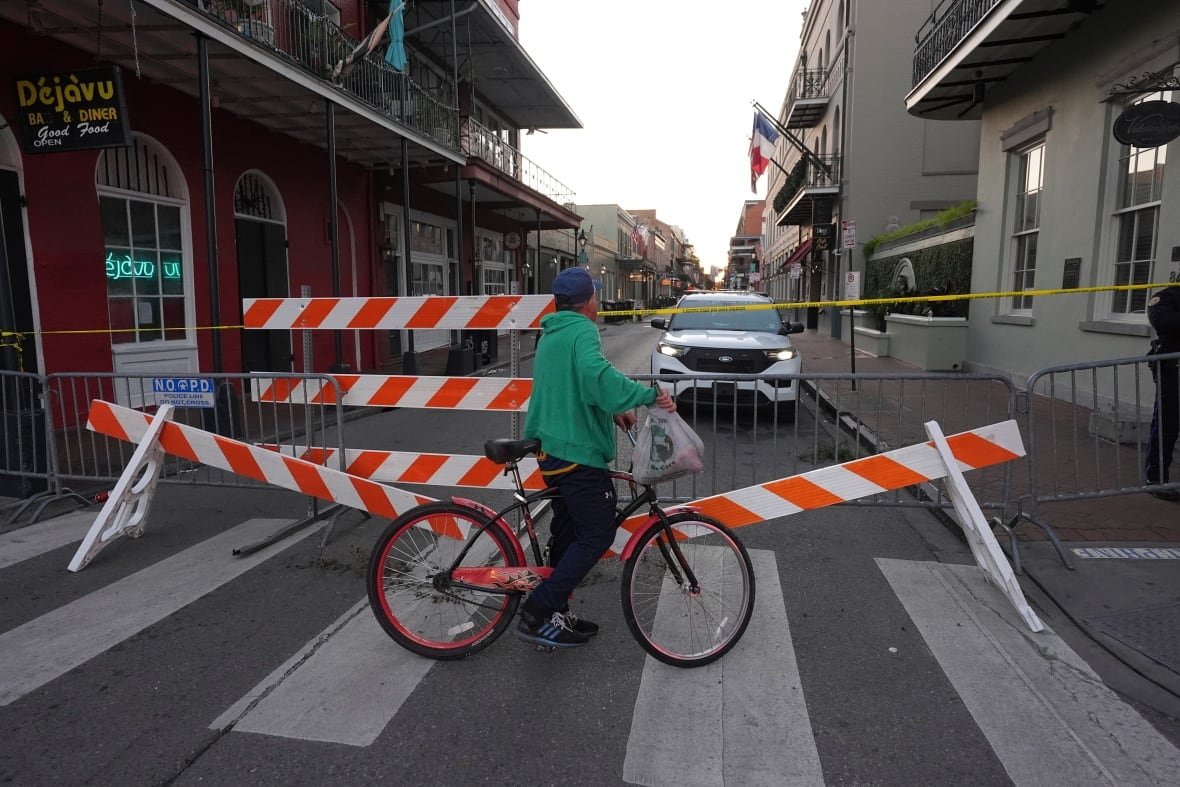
[
  {"x": 256, "y": 197},
  {"x": 143, "y": 203}
]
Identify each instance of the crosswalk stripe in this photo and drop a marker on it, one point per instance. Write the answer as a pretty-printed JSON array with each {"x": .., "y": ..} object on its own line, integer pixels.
[
  {"x": 57, "y": 642},
  {"x": 740, "y": 720},
  {"x": 343, "y": 687},
  {"x": 42, "y": 537},
  {"x": 1042, "y": 708}
]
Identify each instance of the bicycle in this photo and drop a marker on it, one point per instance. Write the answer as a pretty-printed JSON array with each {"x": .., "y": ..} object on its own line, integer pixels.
[{"x": 445, "y": 578}]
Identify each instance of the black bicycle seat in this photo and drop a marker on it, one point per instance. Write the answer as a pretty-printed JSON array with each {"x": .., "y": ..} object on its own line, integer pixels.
[{"x": 502, "y": 450}]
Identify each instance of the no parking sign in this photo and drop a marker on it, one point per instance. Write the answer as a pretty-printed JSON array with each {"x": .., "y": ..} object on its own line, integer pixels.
[{"x": 852, "y": 286}]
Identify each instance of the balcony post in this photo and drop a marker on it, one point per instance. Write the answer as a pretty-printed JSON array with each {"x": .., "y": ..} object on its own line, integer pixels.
[
  {"x": 210, "y": 206},
  {"x": 333, "y": 229},
  {"x": 409, "y": 357}
]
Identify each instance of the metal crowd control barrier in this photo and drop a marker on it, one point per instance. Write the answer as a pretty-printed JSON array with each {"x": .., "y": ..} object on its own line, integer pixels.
[
  {"x": 835, "y": 418},
  {"x": 216, "y": 403},
  {"x": 27, "y": 462},
  {"x": 1086, "y": 424},
  {"x": 1087, "y": 434}
]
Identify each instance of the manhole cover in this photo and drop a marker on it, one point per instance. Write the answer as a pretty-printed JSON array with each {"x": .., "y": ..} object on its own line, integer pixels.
[{"x": 1154, "y": 632}]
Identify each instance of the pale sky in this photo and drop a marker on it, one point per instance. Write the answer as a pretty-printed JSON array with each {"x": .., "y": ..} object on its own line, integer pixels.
[{"x": 664, "y": 92}]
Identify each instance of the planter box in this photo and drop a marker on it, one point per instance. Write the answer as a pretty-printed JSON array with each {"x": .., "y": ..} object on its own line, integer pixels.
[
  {"x": 873, "y": 341},
  {"x": 930, "y": 343},
  {"x": 868, "y": 337}
]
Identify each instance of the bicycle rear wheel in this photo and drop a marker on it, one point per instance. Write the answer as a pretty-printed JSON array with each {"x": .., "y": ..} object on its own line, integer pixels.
[
  {"x": 408, "y": 592},
  {"x": 673, "y": 623}
]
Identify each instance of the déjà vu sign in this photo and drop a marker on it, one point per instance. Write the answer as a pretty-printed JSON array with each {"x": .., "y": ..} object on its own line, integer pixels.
[{"x": 73, "y": 110}]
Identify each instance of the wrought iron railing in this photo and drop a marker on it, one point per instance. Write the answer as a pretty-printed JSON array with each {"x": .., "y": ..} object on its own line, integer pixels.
[
  {"x": 943, "y": 31},
  {"x": 480, "y": 141},
  {"x": 810, "y": 83},
  {"x": 301, "y": 35},
  {"x": 806, "y": 174}
]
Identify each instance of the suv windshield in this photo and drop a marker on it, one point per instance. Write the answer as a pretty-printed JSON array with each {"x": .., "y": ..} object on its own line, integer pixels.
[{"x": 765, "y": 320}]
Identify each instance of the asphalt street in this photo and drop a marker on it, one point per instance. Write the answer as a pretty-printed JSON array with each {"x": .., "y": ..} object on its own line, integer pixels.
[{"x": 876, "y": 655}]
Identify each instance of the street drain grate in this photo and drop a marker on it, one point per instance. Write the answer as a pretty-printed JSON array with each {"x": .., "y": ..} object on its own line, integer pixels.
[{"x": 1154, "y": 632}]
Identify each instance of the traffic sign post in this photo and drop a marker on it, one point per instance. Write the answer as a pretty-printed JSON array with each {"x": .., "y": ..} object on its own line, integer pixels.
[{"x": 851, "y": 288}]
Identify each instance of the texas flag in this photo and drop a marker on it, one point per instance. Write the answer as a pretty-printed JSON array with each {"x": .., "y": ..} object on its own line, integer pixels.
[{"x": 761, "y": 147}]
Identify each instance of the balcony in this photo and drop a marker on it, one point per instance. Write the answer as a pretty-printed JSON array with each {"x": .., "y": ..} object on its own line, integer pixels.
[
  {"x": 298, "y": 33},
  {"x": 270, "y": 62},
  {"x": 481, "y": 142},
  {"x": 966, "y": 46},
  {"x": 810, "y": 193},
  {"x": 809, "y": 97}
]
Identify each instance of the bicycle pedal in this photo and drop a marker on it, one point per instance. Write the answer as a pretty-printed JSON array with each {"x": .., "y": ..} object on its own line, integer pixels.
[{"x": 545, "y": 648}]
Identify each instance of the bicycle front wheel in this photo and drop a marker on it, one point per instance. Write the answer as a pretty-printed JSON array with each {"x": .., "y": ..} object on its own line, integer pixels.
[
  {"x": 410, "y": 596},
  {"x": 675, "y": 623}
]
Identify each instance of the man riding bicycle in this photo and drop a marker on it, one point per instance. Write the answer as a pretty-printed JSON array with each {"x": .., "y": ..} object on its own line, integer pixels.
[{"x": 578, "y": 397}]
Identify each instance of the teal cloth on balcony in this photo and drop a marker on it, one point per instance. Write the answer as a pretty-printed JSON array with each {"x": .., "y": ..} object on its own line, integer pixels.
[{"x": 395, "y": 55}]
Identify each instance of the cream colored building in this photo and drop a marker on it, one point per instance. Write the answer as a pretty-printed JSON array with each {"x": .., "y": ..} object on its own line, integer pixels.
[
  {"x": 1062, "y": 202},
  {"x": 881, "y": 166}
]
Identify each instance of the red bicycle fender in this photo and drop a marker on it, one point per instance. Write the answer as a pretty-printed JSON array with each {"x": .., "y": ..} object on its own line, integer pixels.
[
  {"x": 478, "y": 506},
  {"x": 634, "y": 540}
]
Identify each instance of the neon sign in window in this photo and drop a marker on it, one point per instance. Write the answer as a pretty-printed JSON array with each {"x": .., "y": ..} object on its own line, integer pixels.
[{"x": 124, "y": 267}]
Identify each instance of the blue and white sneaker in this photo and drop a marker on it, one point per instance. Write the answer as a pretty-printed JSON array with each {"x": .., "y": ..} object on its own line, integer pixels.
[{"x": 556, "y": 632}]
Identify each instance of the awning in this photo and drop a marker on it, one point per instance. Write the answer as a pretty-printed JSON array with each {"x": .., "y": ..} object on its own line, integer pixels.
[
  {"x": 797, "y": 254},
  {"x": 504, "y": 72}
]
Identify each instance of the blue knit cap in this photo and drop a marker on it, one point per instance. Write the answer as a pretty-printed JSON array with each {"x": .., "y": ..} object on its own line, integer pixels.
[{"x": 574, "y": 285}]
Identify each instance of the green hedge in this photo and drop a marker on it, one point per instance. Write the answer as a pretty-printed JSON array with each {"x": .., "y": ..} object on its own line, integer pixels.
[
  {"x": 938, "y": 270},
  {"x": 792, "y": 185},
  {"x": 941, "y": 220}
]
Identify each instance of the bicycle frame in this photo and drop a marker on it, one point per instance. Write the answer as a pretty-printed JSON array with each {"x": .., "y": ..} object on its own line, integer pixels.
[{"x": 493, "y": 579}]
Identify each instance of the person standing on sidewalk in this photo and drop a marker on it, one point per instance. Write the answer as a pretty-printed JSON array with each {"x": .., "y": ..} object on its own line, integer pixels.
[
  {"x": 578, "y": 398},
  {"x": 1163, "y": 312}
]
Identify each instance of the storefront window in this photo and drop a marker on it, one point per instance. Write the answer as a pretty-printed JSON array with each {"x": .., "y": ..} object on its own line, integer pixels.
[
  {"x": 144, "y": 270},
  {"x": 426, "y": 279},
  {"x": 427, "y": 238}
]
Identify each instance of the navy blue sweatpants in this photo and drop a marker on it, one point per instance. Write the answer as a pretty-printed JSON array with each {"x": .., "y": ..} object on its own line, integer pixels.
[{"x": 583, "y": 529}]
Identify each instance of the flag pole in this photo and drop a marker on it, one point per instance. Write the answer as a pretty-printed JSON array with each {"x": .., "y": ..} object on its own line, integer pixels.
[{"x": 798, "y": 143}]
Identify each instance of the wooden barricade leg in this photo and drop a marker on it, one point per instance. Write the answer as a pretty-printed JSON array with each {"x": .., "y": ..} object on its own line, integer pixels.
[
  {"x": 127, "y": 507},
  {"x": 984, "y": 547}
]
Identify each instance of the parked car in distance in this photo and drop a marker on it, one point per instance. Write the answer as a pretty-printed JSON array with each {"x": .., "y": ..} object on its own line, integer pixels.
[{"x": 731, "y": 340}]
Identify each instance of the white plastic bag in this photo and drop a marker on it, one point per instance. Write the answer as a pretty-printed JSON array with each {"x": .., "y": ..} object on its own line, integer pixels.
[{"x": 666, "y": 448}]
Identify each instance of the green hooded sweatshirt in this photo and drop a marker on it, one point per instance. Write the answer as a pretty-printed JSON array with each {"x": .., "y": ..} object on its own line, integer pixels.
[{"x": 576, "y": 392}]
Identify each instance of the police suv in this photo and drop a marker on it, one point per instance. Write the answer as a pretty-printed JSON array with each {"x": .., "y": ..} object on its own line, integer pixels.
[{"x": 734, "y": 339}]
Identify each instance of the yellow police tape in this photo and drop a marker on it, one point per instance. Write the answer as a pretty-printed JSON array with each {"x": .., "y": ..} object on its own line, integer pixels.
[
  {"x": 12, "y": 338},
  {"x": 964, "y": 296}
]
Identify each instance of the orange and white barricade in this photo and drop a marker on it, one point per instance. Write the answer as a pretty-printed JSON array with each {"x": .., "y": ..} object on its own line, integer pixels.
[{"x": 942, "y": 457}]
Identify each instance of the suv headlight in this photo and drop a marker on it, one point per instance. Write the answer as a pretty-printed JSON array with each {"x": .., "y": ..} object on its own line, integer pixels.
[
  {"x": 675, "y": 350},
  {"x": 781, "y": 355}
]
